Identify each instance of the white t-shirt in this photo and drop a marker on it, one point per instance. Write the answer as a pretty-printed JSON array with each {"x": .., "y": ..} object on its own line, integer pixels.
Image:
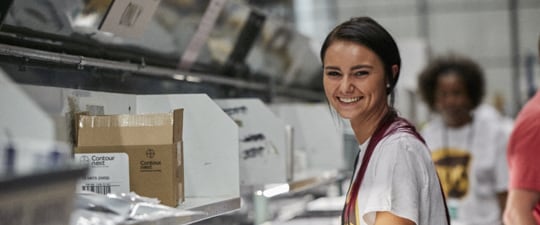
[
  {"x": 400, "y": 178},
  {"x": 471, "y": 161}
]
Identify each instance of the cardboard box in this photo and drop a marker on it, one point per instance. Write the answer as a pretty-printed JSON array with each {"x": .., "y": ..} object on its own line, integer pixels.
[{"x": 153, "y": 143}]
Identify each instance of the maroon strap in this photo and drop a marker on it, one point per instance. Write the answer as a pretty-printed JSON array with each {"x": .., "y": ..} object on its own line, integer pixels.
[{"x": 390, "y": 124}]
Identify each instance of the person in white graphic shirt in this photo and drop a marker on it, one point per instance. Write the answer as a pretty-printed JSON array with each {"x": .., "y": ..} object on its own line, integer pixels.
[{"x": 468, "y": 149}]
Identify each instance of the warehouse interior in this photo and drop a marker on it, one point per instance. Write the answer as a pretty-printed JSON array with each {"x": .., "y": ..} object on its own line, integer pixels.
[{"x": 259, "y": 143}]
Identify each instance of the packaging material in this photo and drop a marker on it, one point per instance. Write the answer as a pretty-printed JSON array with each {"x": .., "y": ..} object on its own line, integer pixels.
[
  {"x": 44, "y": 197},
  {"x": 153, "y": 144},
  {"x": 125, "y": 208},
  {"x": 22, "y": 156}
]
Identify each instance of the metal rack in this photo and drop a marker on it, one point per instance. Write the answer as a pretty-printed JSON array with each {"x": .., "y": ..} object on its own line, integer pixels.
[{"x": 81, "y": 62}]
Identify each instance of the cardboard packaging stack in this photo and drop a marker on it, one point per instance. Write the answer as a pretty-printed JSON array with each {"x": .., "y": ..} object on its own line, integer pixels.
[{"x": 153, "y": 144}]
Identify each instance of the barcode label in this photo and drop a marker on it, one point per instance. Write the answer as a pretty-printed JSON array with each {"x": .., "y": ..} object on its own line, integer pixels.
[
  {"x": 97, "y": 188},
  {"x": 109, "y": 172}
]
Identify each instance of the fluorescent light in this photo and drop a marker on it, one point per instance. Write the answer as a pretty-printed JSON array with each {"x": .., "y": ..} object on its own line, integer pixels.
[
  {"x": 187, "y": 78},
  {"x": 193, "y": 79},
  {"x": 86, "y": 21},
  {"x": 277, "y": 190},
  {"x": 179, "y": 77}
]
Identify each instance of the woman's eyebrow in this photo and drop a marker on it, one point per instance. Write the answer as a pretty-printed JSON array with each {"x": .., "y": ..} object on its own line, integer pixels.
[
  {"x": 331, "y": 68},
  {"x": 361, "y": 66}
]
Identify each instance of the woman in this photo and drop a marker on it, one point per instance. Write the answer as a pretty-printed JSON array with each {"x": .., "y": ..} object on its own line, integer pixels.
[
  {"x": 395, "y": 181},
  {"x": 468, "y": 146}
]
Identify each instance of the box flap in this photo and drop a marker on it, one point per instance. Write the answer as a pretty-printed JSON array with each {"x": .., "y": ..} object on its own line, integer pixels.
[
  {"x": 178, "y": 125},
  {"x": 144, "y": 129}
]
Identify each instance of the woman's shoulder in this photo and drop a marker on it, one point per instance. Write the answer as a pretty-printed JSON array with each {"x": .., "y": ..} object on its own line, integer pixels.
[
  {"x": 404, "y": 151},
  {"x": 400, "y": 143},
  {"x": 432, "y": 125}
]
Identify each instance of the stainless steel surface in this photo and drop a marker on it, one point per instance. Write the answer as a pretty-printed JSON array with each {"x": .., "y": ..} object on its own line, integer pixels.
[
  {"x": 82, "y": 62},
  {"x": 289, "y": 139},
  {"x": 322, "y": 178},
  {"x": 214, "y": 208},
  {"x": 210, "y": 208}
]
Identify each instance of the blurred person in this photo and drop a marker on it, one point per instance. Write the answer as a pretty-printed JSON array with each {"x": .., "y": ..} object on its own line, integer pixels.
[
  {"x": 489, "y": 112},
  {"x": 523, "y": 205},
  {"x": 467, "y": 146},
  {"x": 395, "y": 181}
]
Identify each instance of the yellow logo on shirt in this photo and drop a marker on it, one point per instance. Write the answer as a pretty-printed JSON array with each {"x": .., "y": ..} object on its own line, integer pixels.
[{"x": 453, "y": 166}]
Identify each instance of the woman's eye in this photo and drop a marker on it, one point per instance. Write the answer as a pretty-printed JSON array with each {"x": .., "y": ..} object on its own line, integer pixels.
[
  {"x": 333, "y": 73},
  {"x": 361, "y": 73}
]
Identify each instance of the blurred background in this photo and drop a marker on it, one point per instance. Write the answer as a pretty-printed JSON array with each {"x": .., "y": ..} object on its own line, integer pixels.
[
  {"x": 264, "y": 50},
  {"x": 269, "y": 49}
]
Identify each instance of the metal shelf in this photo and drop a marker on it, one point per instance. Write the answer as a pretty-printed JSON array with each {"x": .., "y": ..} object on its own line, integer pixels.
[
  {"x": 210, "y": 207},
  {"x": 305, "y": 182},
  {"x": 81, "y": 62}
]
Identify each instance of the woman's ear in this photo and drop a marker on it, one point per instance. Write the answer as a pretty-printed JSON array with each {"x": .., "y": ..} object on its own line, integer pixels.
[{"x": 395, "y": 70}]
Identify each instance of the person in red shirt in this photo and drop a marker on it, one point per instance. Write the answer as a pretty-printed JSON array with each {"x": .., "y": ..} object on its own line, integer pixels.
[{"x": 523, "y": 204}]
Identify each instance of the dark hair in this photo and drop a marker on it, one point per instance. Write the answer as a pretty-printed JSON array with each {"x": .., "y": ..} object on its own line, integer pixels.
[
  {"x": 367, "y": 32},
  {"x": 468, "y": 71}
]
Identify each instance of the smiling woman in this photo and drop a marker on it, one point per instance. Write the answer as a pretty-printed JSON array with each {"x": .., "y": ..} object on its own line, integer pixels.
[
  {"x": 394, "y": 181},
  {"x": 354, "y": 82}
]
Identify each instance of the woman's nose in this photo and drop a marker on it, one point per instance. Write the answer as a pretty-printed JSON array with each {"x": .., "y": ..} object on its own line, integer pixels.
[{"x": 345, "y": 86}]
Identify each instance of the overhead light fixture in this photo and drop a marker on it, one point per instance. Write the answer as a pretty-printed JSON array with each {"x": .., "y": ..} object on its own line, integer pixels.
[
  {"x": 275, "y": 190},
  {"x": 178, "y": 77},
  {"x": 193, "y": 79}
]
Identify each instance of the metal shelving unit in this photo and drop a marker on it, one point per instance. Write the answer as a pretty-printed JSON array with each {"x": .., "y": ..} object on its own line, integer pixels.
[{"x": 81, "y": 62}]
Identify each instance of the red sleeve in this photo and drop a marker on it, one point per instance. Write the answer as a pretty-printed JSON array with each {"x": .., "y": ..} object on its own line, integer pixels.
[{"x": 524, "y": 154}]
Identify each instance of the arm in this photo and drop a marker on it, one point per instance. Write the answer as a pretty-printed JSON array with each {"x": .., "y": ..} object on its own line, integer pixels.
[
  {"x": 520, "y": 206},
  {"x": 501, "y": 165},
  {"x": 387, "y": 218},
  {"x": 501, "y": 198},
  {"x": 523, "y": 192}
]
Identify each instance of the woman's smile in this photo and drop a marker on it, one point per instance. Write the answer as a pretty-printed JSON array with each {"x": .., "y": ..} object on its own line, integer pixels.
[
  {"x": 354, "y": 80},
  {"x": 348, "y": 100}
]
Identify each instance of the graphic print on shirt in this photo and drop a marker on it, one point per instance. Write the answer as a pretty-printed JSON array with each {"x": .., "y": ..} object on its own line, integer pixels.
[{"x": 453, "y": 166}]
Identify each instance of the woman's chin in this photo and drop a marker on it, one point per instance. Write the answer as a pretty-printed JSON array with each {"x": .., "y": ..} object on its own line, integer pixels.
[{"x": 346, "y": 115}]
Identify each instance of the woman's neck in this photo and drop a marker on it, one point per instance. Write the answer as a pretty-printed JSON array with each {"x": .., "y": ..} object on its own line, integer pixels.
[
  {"x": 365, "y": 126},
  {"x": 460, "y": 122}
]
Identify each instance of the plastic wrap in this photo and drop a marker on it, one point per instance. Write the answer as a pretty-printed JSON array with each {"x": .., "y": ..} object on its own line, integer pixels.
[{"x": 121, "y": 208}]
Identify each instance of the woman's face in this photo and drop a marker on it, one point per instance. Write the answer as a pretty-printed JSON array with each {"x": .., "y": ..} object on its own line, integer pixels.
[
  {"x": 452, "y": 100},
  {"x": 354, "y": 80}
]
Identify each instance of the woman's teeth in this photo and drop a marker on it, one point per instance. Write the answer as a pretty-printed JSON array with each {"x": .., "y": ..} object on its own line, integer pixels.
[{"x": 349, "y": 100}]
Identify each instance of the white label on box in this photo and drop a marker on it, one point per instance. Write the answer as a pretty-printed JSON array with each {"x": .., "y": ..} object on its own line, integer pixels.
[{"x": 109, "y": 172}]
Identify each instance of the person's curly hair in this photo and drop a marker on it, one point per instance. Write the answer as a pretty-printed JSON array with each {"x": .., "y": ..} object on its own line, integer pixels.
[{"x": 468, "y": 70}]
